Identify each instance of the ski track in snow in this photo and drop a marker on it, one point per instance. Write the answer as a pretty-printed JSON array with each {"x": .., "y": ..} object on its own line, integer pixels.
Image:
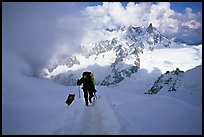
[
  {"x": 93, "y": 121},
  {"x": 98, "y": 119}
]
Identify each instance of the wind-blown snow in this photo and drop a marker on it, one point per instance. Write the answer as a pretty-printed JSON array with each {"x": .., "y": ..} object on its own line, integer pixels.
[{"x": 35, "y": 106}]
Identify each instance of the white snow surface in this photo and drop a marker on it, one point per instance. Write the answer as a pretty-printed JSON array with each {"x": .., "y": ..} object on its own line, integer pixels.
[
  {"x": 35, "y": 106},
  {"x": 164, "y": 59}
]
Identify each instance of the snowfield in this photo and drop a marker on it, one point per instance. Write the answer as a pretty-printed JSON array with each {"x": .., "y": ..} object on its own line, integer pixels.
[
  {"x": 35, "y": 106},
  {"x": 114, "y": 113}
]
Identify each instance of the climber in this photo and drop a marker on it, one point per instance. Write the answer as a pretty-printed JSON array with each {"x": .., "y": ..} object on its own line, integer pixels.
[{"x": 88, "y": 86}]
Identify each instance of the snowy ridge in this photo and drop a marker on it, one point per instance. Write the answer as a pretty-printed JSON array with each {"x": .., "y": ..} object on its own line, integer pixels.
[
  {"x": 119, "y": 52},
  {"x": 170, "y": 81},
  {"x": 179, "y": 84}
]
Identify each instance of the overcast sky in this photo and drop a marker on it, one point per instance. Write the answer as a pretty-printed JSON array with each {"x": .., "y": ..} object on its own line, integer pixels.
[{"x": 38, "y": 31}]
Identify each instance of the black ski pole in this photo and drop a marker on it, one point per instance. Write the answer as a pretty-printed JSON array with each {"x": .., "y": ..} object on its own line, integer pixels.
[{"x": 79, "y": 92}]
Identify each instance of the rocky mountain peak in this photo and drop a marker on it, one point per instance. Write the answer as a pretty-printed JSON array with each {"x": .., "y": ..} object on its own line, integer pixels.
[
  {"x": 168, "y": 81},
  {"x": 150, "y": 28},
  {"x": 125, "y": 45}
]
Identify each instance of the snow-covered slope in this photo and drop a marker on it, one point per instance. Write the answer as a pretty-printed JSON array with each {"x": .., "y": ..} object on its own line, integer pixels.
[
  {"x": 35, "y": 106},
  {"x": 180, "y": 84},
  {"x": 32, "y": 106}
]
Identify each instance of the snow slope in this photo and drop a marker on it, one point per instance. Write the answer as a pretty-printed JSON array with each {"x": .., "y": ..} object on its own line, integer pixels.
[{"x": 35, "y": 106}]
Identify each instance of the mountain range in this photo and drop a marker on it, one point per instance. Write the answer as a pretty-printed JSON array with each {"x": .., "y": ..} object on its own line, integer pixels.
[{"x": 116, "y": 57}]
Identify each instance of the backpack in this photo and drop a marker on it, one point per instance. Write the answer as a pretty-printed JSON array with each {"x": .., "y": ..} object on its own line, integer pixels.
[{"x": 90, "y": 76}]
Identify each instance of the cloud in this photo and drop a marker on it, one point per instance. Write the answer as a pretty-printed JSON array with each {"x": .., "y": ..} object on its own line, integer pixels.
[
  {"x": 36, "y": 32},
  {"x": 168, "y": 21}
]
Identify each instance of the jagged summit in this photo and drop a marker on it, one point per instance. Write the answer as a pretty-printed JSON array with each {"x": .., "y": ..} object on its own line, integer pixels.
[
  {"x": 119, "y": 52},
  {"x": 150, "y": 28}
]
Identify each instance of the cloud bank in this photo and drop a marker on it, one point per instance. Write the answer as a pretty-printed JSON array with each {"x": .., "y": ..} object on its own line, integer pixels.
[
  {"x": 36, "y": 32},
  {"x": 183, "y": 27}
]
